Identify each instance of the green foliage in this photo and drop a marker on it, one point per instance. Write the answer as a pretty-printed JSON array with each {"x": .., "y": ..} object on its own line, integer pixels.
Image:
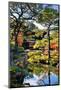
[
  {"x": 16, "y": 57},
  {"x": 37, "y": 68},
  {"x": 41, "y": 43},
  {"x": 20, "y": 49},
  {"x": 36, "y": 56},
  {"x": 47, "y": 15},
  {"x": 15, "y": 69}
]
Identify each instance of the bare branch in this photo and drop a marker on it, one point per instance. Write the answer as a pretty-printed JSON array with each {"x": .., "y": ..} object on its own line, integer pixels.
[
  {"x": 12, "y": 14},
  {"x": 31, "y": 9},
  {"x": 21, "y": 12}
]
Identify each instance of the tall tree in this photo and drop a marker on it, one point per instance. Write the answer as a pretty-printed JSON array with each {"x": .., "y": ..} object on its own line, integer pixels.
[{"x": 49, "y": 17}]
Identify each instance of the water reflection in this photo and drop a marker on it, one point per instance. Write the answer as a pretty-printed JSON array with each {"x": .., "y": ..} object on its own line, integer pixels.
[{"x": 42, "y": 79}]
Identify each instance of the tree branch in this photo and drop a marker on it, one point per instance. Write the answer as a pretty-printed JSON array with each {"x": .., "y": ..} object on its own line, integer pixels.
[
  {"x": 21, "y": 13},
  {"x": 12, "y": 14},
  {"x": 31, "y": 9}
]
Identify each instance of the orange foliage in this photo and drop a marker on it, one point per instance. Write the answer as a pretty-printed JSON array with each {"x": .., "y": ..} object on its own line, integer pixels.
[
  {"x": 20, "y": 39},
  {"x": 54, "y": 45}
]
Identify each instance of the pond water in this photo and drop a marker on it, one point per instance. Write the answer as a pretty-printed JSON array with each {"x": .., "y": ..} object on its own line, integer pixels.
[{"x": 43, "y": 79}]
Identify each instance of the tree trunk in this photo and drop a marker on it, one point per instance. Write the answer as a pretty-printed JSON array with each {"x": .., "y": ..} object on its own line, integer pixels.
[
  {"x": 16, "y": 44},
  {"x": 49, "y": 53},
  {"x": 16, "y": 34}
]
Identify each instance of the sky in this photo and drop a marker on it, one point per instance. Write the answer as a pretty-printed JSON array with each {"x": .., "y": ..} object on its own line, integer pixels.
[{"x": 54, "y": 6}]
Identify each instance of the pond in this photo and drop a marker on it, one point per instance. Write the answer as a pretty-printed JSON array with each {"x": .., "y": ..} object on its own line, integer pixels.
[{"x": 43, "y": 79}]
